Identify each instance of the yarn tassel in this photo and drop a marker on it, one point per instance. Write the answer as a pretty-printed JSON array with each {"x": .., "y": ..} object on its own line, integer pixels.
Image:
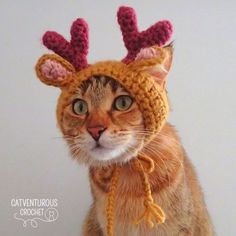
[{"x": 152, "y": 211}]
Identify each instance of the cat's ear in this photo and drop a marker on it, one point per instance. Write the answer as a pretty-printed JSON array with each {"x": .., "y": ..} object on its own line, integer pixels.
[
  {"x": 53, "y": 70},
  {"x": 155, "y": 61}
]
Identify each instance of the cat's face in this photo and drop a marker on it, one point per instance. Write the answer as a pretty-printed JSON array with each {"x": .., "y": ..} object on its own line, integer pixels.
[{"x": 103, "y": 123}]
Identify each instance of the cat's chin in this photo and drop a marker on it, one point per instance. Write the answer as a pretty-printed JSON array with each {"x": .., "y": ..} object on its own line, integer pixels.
[
  {"x": 102, "y": 156},
  {"x": 105, "y": 156}
]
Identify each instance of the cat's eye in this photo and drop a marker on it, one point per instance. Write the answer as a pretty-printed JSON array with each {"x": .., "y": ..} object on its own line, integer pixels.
[
  {"x": 80, "y": 107},
  {"x": 122, "y": 103}
]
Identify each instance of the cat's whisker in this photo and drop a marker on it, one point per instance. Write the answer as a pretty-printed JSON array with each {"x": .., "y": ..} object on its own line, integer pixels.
[
  {"x": 166, "y": 139},
  {"x": 143, "y": 153},
  {"x": 76, "y": 153},
  {"x": 59, "y": 137},
  {"x": 161, "y": 157},
  {"x": 174, "y": 154}
]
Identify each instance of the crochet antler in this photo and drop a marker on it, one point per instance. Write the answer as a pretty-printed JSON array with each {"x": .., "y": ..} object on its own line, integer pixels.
[
  {"x": 157, "y": 34},
  {"x": 74, "y": 51}
]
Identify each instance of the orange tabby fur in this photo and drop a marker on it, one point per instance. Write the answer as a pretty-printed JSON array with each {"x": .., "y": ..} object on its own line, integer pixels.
[{"x": 174, "y": 186}]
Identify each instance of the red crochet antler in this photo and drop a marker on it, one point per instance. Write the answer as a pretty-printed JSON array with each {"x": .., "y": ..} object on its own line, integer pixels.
[
  {"x": 74, "y": 51},
  {"x": 157, "y": 34}
]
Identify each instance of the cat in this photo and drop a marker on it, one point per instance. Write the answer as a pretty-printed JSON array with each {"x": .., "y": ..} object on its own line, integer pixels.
[
  {"x": 113, "y": 116},
  {"x": 104, "y": 125},
  {"x": 106, "y": 128}
]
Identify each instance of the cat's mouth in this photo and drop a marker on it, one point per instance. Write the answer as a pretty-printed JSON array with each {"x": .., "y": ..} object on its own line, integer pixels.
[
  {"x": 99, "y": 146},
  {"x": 103, "y": 152}
]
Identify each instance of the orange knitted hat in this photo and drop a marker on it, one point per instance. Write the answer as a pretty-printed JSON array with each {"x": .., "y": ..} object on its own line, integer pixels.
[
  {"x": 136, "y": 72},
  {"x": 142, "y": 73}
]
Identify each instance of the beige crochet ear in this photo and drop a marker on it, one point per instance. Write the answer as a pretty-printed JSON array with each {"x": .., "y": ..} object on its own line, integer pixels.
[
  {"x": 154, "y": 60},
  {"x": 53, "y": 70}
]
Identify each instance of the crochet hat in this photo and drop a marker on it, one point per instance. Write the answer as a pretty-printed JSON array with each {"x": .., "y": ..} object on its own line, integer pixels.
[
  {"x": 138, "y": 72},
  {"x": 142, "y": 73}
]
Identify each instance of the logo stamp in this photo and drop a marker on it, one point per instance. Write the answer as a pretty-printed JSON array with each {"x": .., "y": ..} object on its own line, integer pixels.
[{"x": 32, "y": 211}]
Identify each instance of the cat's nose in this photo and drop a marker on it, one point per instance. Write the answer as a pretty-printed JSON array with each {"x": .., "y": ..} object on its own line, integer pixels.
[{"x": 96, "y": 131}]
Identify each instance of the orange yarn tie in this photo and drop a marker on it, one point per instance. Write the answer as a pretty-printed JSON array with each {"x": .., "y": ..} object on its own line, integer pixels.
[
  {"x": 152, "y": 212},
  {"x": 111, "y": 198}
]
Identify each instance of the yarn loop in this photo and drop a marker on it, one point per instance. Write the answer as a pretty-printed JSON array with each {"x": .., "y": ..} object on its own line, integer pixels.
[
  {"x": 152, "y": 210},
  {"x": 144, "y": 165}
]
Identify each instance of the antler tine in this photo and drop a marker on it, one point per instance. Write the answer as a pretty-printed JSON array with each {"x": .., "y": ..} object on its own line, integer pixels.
[
  {"x": 74, "y": 51},
  {"x": 79, "y": 42},
  {"x": 128, "y": 25},
  {"x": 57, "y": 43},
  {"x": 157, "y": 34}
]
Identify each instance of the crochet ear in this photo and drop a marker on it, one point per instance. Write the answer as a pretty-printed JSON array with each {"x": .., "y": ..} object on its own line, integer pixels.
[
  {"x": 156, "y": 61},
  {"x": 53, "y": 70}
]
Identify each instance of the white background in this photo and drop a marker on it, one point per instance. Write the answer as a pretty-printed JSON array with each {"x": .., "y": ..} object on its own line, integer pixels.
[{"x": 34, "y": 159}]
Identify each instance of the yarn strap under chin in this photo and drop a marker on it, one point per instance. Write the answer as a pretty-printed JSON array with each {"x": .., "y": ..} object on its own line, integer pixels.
[
  {"x": 111, "y": 199},
  {"x": 153, "y": 212}
]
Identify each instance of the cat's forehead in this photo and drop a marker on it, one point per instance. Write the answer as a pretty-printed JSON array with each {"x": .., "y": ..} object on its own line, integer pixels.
[{"x": 100, "y": 89}]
